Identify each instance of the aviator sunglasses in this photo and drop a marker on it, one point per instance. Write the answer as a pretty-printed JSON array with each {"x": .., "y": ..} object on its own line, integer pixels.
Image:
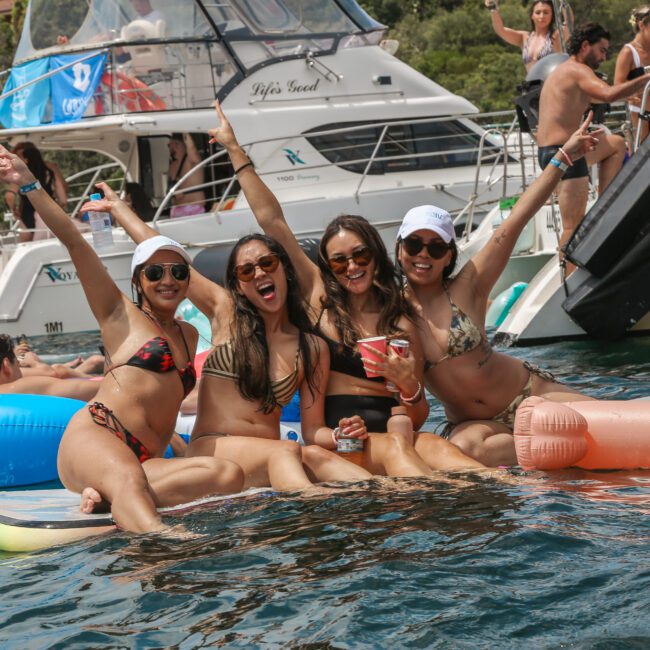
[
  {"x": 155, "y": 272},
  {"x": 361, "y": 257},
  {"x": 267, "y": 263},
  {"x": 436, "y": 248}
]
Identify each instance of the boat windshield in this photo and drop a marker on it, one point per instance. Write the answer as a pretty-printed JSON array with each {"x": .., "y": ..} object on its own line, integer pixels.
[{"x": 77, "y": 24}]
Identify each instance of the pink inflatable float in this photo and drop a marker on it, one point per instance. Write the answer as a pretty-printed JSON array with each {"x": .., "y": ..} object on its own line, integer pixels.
[{"x": 590, "y": 435}]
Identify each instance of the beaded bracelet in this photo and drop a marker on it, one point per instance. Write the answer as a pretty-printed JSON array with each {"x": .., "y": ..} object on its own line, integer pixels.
[
  {"x": 248, "y": 164},
  {"x": 414, "y": 398}
]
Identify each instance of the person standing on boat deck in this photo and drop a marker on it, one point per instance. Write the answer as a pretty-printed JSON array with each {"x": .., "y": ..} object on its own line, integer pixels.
[
  {"x": 353, "y": 293},
  {"x": 150, "y": 355},
  {"x": 183, "y": 156},
  {"x": 632, "y": 58},
  {"x": 263, "y": 353},
  {"x": 12, "y": 379},
  {"x": 542, "y": 40},
  {"x": 479, "y": 388},
  {"x": 567, "y": 93}
]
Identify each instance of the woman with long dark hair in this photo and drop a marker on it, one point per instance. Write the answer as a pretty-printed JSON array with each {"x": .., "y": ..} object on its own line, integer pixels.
[
  {"x": 479, "y": 387},
  {"x": 111, "y": 450},
  {"x": 542, "y": 39},
  {"x": 262, "y": 354},
  {"x": 354, "y": 293}
]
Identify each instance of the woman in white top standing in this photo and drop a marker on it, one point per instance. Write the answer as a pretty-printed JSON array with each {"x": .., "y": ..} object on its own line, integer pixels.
[{"x": 635, "y": 55}]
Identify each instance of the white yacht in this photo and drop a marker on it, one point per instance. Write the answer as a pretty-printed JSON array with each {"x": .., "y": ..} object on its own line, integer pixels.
[{"x": 332, "y": 120}]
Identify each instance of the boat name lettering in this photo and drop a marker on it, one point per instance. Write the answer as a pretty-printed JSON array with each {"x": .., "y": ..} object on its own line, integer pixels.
[
  {"x": 262, "y": 90},
  {"x": 290, "y": 177},
  {"x": 57, "y": 275}
]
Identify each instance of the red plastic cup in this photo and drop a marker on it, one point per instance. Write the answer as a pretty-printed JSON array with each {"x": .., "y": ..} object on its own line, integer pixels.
[{"x": 376, "y": 343}]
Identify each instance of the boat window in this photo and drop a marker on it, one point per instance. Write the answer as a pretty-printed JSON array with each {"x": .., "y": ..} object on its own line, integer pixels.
[
  {"x": 68, "y": 24},
  {"x": 405, "y": 147}
]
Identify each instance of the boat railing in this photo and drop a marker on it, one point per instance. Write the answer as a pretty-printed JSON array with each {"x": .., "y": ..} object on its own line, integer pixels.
[
  {"x": 640, "y": 122},
  {"x": 80, "y": 189},
  {"x": 490, "y": 149}
]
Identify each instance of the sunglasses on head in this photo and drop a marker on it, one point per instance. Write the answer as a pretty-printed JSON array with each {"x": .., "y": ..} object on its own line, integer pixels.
[
  {"x": 361, "y": 257},
  {"x": 155, "y": 272},
  {"x": 267, "y": 263},
  {"x": 436, "y": 248}
]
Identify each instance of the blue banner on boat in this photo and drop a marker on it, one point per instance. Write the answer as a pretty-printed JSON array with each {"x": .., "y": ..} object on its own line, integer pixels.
[
  {"x": 73, "y": 87},
  {"x": 25, "y": 107}
]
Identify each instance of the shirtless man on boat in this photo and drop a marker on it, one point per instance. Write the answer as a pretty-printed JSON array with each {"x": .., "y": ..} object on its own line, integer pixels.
[
  {"x": 567, "y": 93},
  {"x": 183, "y": 156},
  {"x": 12, "y": 380}
]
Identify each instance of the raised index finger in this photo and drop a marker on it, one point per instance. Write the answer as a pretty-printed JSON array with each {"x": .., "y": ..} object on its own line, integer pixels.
[
  {"x": 587, "y": 123},
  {"x": 220, "y": 113}
]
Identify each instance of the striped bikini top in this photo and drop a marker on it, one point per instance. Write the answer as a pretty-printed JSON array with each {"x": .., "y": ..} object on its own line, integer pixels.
[{"x": 221, "y": 363}]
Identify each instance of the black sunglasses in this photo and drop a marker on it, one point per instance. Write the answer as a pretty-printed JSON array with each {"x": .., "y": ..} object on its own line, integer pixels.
[
  {"x": 436, "y": 248},
  {"x": 155, "y": 272},
  {"x": 361, "y": 257},
  {"x": 268, "y": 263}
]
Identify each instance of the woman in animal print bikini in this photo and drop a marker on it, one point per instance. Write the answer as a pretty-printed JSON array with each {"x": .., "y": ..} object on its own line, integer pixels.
[{"x": 479, "y": 387}]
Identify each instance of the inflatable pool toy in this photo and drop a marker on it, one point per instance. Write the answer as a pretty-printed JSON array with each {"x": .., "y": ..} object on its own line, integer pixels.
[
  {"x": 31, "y": 520},
  {"x": 591, "y": 434},
  {"x": 31, "y": 427},
  {"x": 502, "y": 304}
]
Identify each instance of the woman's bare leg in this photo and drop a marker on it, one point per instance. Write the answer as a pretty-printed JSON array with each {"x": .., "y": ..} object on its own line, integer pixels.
[
  {"x": 440, "y": 454},
  {"x": 486, "y": 441},
  {"x": 390, "y": 454},
  {"x": 325, "y": 465}
]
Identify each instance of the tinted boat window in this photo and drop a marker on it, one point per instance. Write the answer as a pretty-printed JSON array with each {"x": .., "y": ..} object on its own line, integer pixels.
[{"x": 405, "y": 147}]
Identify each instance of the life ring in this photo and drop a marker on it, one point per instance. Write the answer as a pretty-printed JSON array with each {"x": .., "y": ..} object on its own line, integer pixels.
[
  {"x": 591, "y": 435},
  {"x": 133, "y": 95}
]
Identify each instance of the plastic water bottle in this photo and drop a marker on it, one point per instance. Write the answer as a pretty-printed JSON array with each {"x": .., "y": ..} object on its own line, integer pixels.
[{"x": 100, "y": 226}]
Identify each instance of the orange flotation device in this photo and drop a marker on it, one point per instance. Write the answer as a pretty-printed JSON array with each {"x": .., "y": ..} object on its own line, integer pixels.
[
  {"x": 591, "y": 435},
  {"x": 133, "y": 95}
]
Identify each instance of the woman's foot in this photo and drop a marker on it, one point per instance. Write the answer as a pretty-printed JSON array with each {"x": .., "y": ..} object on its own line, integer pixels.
[{"x": 92, "y": 501}]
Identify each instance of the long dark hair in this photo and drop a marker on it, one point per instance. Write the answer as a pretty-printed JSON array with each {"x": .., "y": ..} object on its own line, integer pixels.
[
  {"x": 548, "y": 3},
  {"x": 35, "y": 162},
  {"x": 248, "y": 332},
  {"x": 386, "y": 285},
  {"x": 140, "y": 201}
]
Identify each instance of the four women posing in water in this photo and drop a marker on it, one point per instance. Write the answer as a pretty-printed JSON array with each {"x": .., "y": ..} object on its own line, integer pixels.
[{"x": 284, "y": 324}]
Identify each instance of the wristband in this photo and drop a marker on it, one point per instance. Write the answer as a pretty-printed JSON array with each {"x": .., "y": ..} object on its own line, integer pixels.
[
  {"x": 562, "y": 166},
  {"x": 566, "y": 157},
  {"x": 30, "y": 187},
  {"x": 248, "y": 164},
  {"x": 335, "y": 433},
  {"x": 414, "y": 398}
]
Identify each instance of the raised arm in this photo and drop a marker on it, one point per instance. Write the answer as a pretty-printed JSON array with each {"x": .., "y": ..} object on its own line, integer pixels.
[
  {"x": 484, "y": 269},
  {"x": 208, "y": 296},
  {"x": 267, "y": 210},
  {"x": 101, "y": 291},
  {"x": 512, "y": 36}
]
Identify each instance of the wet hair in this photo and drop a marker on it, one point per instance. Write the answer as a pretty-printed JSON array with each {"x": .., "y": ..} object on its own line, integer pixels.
[
  {"x": 548, "y": 3},
  {"x": 248, "y": 332},
  {"x": 140, "y": 201},
  {"x": 640, "y": 17},
  {"x": 386, "y": 284},
  {"x": 590, "y": 32},
  {"x": 446, "y": 272},
  {"x": 7, "y": 349}
]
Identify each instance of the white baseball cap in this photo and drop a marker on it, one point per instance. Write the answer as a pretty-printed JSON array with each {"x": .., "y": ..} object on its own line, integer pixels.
[
  {"x": 144, "y": 250},
  {"x": 428, "y": 217}
]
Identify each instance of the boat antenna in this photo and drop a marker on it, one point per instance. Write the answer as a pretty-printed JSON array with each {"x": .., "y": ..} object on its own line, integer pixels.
[{"x": 563, "y": 18}]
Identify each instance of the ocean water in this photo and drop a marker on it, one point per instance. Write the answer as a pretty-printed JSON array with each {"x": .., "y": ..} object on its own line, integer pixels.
[{"x": 548, "y": 560}]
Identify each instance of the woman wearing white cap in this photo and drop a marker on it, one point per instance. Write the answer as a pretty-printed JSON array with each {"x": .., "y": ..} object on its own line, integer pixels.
[
  {"x": 479, "y": 388},
  {"x": 262, "y": 354},
  {"x": 116, "y": 443},
  {"x": 354, "y": 293}
]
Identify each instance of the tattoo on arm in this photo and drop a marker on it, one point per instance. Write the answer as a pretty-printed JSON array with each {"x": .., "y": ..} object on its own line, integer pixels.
[{"x": 500, "y": 236}]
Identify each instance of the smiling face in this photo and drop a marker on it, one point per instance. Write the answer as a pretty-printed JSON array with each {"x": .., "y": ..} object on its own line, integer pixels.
[
  {"x": 267, "y": 288},
  {"x": 421, "y": 268},
  {"x": 167, "y": 293},
  {"x": 542, "y": 15},
  {"x": 342, "y": 248}
]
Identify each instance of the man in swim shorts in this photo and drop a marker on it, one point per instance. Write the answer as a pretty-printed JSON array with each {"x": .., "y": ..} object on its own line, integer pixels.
[
  {"x": 12, "y": 380},
  {"x": 567, "y": 94}
]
